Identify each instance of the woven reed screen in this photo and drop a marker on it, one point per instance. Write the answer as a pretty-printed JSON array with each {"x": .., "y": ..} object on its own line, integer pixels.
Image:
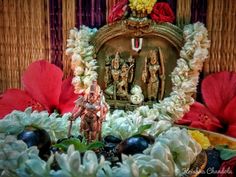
[
  {"x": 36, "y": 29},
  {"x": 24, "y": 31},
  {"x": 221, "y": 24},
  {"x": 68, "y": 22},
  {"x": 183, "y": 12}
]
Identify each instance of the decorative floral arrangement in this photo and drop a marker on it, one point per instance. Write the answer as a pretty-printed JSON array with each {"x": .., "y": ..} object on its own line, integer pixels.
[
  {"x": 219, "y": 95},
  {"x": 82, "y": 54},
  {"x": 184, "y": 77},
  {"x": 142, "y": 5},
  {"x": 157, "y": 159},
  {"x": 173, "y": 150},
  {"x": 159, "y": 11}
]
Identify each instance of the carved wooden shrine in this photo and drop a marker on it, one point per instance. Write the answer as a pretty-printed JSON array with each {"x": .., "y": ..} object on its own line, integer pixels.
[{"x": 136, "y": 57}]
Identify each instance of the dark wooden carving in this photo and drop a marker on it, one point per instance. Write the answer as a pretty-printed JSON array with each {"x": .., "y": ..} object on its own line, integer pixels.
[{"x": 132, "y": 43}]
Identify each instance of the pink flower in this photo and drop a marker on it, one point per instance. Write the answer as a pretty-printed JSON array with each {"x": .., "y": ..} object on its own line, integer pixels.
[
  {"x": 43, "y": 89},
  {"x": 219, "y": 94}
]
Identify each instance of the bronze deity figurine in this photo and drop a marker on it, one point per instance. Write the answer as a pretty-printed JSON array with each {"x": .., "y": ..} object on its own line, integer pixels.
[
  {"x": 91, "y": 108},
  {"x": 135, "y": 59}
]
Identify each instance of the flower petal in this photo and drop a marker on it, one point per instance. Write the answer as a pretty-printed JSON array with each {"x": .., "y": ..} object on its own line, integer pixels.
[
  {"x": 200, "y": 117},
  {"x": 43, "y": 81},
  {"x": 218, "y": 89},
  {"x": 229, "y": 114},
  {"x": 15, "y": 99},
  {"x": 67, "y": 97},
  {"x": 231, "y": 131}
]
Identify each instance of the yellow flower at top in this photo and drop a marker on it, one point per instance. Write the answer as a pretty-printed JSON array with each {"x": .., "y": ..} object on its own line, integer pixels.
[
  {"x": 200, "y": 138},
  {"x": 142, "y": 5}
]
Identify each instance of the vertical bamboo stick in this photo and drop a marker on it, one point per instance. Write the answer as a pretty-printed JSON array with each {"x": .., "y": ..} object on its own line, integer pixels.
[
  {"x": 183, "y": 14},
  {"x": 221, "y": 26},
  {"x": 69, "y": 20}
]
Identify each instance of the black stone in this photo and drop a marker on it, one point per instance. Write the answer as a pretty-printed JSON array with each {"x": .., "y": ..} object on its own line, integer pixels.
[
  {"x": 36, "y": 137},
  {"x": 112, "y": 139},
  {"x": 109, "y": 146},
  {"x": 134, "y": 145}
]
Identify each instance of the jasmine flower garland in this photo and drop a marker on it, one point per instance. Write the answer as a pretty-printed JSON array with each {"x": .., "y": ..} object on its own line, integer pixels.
[
  {"x": 184, "y": 77},
  {"x": 173, "y": 151},
  {"x": 83, "y": 63},
  {"x": 158, "y": 159}
]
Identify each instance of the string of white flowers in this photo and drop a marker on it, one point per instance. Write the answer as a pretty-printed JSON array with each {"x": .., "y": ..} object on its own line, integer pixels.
[
  {"x": 83, "y": 63},
  {"x": 171, "y": 155},
  {"x": 184, "y": 77},
  {"x": 158, "y": 160},
  {"x": 186, "y": 74}
]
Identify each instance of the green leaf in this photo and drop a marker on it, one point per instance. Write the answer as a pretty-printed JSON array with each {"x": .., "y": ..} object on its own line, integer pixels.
[
  {"x": 142, "y": 128},
  {"x": 225, "y": 152},
  {"x": 80, "y": 146},
  {"x": 95, "y": 145},
  {"x": 61, "y": 146}
]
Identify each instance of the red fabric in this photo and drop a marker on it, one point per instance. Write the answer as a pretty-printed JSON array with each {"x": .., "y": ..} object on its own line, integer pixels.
[
  {"x": 228, "y": 168},
  {"x": 44, "y": 90},
  {"x": 118, "y": 11},
  {"x": 200, "y": 117},
  {"x": 162, "y": 12}
]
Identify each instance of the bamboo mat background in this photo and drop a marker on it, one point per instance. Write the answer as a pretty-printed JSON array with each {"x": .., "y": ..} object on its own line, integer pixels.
[
  {"x": 24, "y": 37},
  {"x": 221, "y": 24},
  {"x": 38, "y": 29}
]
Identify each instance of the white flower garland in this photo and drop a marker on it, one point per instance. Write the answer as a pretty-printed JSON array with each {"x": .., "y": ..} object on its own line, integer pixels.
[
  {"x": 83, "y": 62},
  {"x": 18, "y": 160},
  {"x": 184, "y": 77},
  {"x": 157, "y": 160}
]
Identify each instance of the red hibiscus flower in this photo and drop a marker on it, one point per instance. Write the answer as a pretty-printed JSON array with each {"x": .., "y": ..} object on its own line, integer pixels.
[
  {"x": 219, "y": 114},
  {"x": 43, "y": 89},
  {"x": 228, "y": 168}
]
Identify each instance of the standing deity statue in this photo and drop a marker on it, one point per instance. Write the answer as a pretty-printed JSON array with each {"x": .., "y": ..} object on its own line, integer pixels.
[
  {"x": 131, "y": 62},
  {"x": 154, "y": 71},
  {"x": 115, "y": 72},
  {"x": 122, "y": 86},
  {"x": 92, "y": 109},
  {"x": 145, "y": 71},
  {"x": 107, "y": 76}
]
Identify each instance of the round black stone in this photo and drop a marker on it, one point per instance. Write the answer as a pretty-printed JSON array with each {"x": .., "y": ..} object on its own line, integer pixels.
[
  {"x": 112, "y": 139},
  {"x": 36, "y": 137},
  {"x": 133, "y": 145}
]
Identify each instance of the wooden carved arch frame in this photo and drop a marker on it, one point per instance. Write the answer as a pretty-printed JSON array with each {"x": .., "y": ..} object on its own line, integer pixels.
[{"x": 117, "y": 37}]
